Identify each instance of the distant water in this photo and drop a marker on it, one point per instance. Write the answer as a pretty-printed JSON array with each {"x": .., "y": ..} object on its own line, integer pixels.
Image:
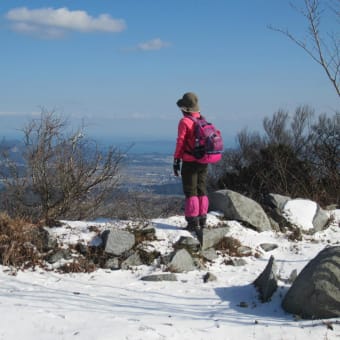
[
  {"x": 164, "y": 147},
  {"x": 146, "y": 147}
]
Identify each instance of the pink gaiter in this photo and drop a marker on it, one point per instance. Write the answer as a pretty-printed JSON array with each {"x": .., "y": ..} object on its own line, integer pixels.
[
  {"x": 191, "y": 208},
  {"x": 203, "y": 205}
]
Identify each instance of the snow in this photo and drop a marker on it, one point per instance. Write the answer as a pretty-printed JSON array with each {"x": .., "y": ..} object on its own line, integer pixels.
[
  {"x": 40, "y": 304},
  {"x": 301, "y": 212}
]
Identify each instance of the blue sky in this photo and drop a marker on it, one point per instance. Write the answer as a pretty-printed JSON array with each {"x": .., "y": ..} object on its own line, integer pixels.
[{"x": 121, "y": 65}]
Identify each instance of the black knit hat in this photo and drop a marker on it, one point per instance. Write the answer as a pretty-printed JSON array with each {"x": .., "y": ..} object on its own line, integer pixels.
[{"x": 188, "y": 103}]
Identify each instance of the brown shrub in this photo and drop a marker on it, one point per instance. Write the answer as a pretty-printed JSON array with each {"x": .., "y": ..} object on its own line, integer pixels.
[
  {"x": 19, "y": 246},
  {"x": 79, "y": 265},
  {"x": 229, "y": 245}
]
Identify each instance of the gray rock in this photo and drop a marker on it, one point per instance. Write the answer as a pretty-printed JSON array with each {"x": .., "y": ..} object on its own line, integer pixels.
[
  {"x": 132, "y": 261},
  {"x": 189, "y": 243},
  {"x": 118, "y": 242},
  {"x": 238, "y": 207},
  {"x": 268, "y": 246},
  {"x": 112, "y": 264},
  {"x": 209, "y": 254},
  {"x": 160, "y": 277},
  {"x": 181, "y": 262},
  {"x": 278, "y": 201},
  {"x": 320, "y": 220},
  {"x": 266, "y": 283},
  {"x": 315, "y": 292},
  {"x": 211, "y": 237}
]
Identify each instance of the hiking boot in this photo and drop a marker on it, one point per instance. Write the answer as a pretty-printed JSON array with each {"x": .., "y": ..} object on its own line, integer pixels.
[
  {"x": 203, "y": 221},
  {"x": 193, "y": 223}
]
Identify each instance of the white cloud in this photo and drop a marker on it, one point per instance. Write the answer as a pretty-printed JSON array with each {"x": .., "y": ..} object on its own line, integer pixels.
[
  {"x": 54, "y": 23},
  {"x": 36, "y": 30},
  {"x": 152, "y": 45}
]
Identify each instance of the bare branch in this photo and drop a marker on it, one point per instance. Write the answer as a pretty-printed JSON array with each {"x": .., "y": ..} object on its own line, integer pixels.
[{"x": 324, "y": 52}]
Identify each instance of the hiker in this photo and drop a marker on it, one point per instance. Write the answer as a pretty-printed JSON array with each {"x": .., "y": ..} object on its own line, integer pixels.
[{"x": 194, "y": 174}]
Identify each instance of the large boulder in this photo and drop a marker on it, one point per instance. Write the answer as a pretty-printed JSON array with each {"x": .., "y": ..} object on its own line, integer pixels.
[
  {"x": 235, "y": 206},
  {"x": 181, "y": 262},
  {"x": 314, "y": 218},
  {"x": 117, "y": 242},
  {"x": 315, "y": 293}
]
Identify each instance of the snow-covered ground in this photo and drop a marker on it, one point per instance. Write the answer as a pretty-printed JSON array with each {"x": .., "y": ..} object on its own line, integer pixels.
[{"x": 118, "y": 305}]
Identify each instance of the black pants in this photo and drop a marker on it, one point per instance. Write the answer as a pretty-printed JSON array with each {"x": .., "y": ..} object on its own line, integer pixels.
[{"x": 194, "y": 179}]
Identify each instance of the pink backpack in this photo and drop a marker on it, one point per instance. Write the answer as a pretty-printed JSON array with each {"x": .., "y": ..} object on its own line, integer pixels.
[{"x": 208, "y": 141}]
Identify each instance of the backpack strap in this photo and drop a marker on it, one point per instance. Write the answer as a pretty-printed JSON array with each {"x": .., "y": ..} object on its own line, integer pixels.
[
  {"x": 194, "y": 119},
  {"x": 199, "y": 121}
]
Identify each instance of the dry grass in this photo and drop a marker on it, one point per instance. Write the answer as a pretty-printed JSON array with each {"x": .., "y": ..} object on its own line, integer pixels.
[
  {"x": 19, "y": 243},
  {"x": 229, "y": 245},
  {"x": 79, "y": 265}
]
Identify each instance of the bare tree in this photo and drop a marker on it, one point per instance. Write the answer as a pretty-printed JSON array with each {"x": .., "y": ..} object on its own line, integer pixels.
[
  {"x": 325, "y": 154},
  {"x": 322, "y": 47},
  {"x": 276, "y": 128},
  {"x": 299, "y": 128},
  {"x": 65, "y": 174}
]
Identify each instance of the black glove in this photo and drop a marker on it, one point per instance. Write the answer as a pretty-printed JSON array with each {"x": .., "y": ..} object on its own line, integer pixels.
[{"x": 177, "y": 166}]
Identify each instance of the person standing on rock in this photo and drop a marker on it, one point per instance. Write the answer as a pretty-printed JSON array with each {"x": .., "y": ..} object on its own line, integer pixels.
[{"x": 194, "y": 174}]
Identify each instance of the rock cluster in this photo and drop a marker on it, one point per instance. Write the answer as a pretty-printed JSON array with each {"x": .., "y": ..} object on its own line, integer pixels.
[{"x": 314, "y": 293}]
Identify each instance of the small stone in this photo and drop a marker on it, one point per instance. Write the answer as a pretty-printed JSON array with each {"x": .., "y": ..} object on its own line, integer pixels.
[
  {"x": 268, "y": 246},
  {"x": 160, "y": 277},
  {"x": 208, "y": 277}
]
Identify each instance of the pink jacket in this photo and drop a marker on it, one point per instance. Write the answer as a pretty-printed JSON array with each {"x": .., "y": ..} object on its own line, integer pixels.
[{"x": 186, "y": 138}]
